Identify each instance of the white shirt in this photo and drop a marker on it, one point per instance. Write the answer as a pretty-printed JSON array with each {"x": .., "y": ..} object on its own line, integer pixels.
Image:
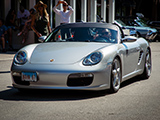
[
  {"x": 21, "y": 15},
  {"x": 64, "y": 16}
]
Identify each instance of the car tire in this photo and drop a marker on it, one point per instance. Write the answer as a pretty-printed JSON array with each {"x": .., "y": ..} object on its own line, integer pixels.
[
  {"x": 116, "y": 76},
  {"x": 147, "y": 66}
]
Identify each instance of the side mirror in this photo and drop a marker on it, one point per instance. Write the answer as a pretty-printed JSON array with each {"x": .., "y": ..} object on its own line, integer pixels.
[
  {"x": 42, "y": 39},
  {"x": 128, "y": 39}
]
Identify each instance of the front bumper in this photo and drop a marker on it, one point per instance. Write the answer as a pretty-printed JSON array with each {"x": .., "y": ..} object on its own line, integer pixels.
[{"x": 63, "y": 77}]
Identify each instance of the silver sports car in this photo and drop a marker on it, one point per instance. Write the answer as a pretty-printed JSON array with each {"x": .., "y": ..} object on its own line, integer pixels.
[{"x": 81, "y": 56}]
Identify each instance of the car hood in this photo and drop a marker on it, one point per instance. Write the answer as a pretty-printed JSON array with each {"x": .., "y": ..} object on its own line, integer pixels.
[{"x": 63, "y": 52}]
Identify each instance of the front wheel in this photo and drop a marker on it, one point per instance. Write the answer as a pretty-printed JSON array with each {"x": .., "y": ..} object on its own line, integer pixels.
[{"x": 115, "y": 76}]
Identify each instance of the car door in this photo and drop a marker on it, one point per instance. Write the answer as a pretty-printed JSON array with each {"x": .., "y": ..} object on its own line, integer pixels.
[{"x": 132, "y": 51}]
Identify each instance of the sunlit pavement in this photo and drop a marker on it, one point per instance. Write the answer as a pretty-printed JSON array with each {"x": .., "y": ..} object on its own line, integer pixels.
[{"x": 7, "y": 56}]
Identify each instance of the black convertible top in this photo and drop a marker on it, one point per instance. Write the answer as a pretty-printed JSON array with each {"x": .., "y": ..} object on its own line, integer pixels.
[{"x": 89, "y": 24}]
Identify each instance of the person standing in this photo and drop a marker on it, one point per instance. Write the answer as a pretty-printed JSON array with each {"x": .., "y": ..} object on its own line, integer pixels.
[
  {"x": 3, "y": 31},
  {"x": 22, "y": 17},
  {"x": 11, "y": 25},
  {"x": 40, "y": 21},
  {"x": 65, "y": 14},
  {"x": 27, "y": 26},
  {"x": 11, "y": 19}
]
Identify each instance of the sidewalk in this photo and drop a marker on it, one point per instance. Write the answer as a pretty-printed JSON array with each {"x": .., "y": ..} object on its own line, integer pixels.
[{"x": 7, "y": 56}]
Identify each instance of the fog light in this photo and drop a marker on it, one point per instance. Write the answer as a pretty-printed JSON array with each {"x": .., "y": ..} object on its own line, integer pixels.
[
  {"x": 80, "y": 75},
  {"x": 86, "y": 75}
]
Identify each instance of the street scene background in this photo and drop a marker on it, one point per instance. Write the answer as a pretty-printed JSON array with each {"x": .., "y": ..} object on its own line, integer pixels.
[{"x": 136, "y": 99}]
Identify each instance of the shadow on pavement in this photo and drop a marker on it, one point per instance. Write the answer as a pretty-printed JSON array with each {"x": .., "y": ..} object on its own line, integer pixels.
[
  {"x": 1, "y": 72},
  {"x": 49, "y": 95},
  {"x": 131, "y": 81},
  {"x": 56, "y": 95}
]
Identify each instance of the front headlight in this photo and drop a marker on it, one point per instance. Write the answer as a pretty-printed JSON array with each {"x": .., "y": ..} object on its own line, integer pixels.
[
  {"x": 21, "y": 57},
  {"x": 92, "y": 59}
]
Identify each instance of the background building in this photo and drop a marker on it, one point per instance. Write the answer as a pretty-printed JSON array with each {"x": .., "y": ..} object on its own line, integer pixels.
[
  {"x": 86, "y": 10},
  {"x": 149, "y": 8}
]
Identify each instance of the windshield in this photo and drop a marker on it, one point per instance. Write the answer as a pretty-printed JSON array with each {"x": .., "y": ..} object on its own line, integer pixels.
[{"x": 83, "y": 34}]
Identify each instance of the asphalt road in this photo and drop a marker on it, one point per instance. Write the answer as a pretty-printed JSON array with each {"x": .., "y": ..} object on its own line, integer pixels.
[{"x": 136, "y": 100}]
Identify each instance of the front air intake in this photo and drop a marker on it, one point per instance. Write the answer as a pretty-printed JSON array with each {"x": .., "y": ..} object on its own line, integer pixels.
[
  {"x": 78, "y": 80},
  {"x": 140, "y": 57}
]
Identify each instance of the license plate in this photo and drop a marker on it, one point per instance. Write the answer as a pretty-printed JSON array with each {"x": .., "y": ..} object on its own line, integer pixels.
[{"x": 29, "y": 76}]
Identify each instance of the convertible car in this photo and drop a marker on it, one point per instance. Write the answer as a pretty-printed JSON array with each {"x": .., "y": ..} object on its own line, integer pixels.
[{"x": 81, "y": 56}]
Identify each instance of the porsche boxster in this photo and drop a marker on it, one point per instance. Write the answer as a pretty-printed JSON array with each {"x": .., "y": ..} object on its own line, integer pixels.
[{"x": 81, "y": 56}]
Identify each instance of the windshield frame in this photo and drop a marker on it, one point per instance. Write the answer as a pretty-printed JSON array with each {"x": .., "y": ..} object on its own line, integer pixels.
[{"x": 56, "y": 30}]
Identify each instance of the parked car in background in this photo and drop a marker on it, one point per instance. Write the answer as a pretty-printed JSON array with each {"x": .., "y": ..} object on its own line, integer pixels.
[
  {"x": 156, "y": 25},
  {"x": 139, "y": 22},
  {"x": 82, "y": 56},
  {"x": 142, "y": 31},
  {"x": 127, "y": 31}
]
